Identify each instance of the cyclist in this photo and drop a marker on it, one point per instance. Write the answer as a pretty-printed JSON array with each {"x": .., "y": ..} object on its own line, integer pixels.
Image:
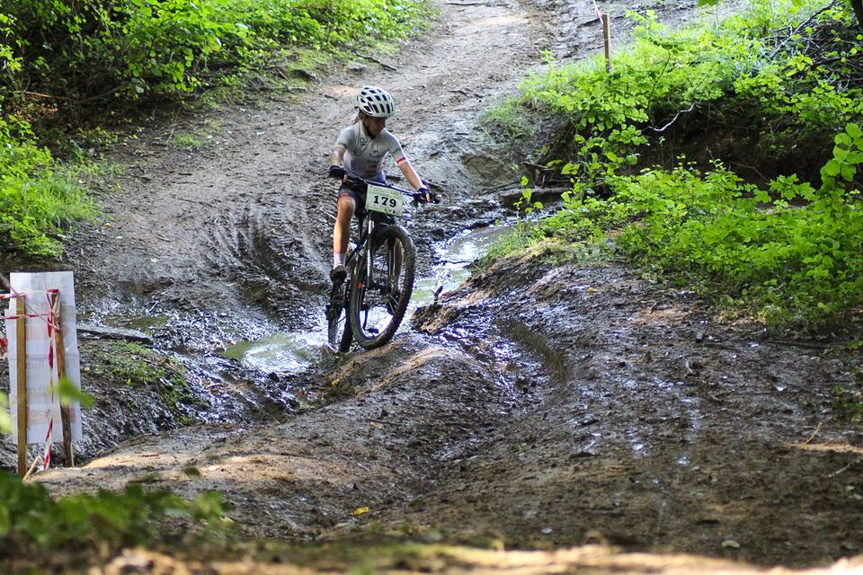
[{"x": 359, "y": 151}]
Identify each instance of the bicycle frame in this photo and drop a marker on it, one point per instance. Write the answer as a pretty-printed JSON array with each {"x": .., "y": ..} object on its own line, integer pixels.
[
  {"x": 368, "y": 220},
  {"x": 385, "y": 248}
]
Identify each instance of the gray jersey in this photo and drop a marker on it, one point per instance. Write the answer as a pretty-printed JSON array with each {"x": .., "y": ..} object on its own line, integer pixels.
[{"x": 364, "y": 155}]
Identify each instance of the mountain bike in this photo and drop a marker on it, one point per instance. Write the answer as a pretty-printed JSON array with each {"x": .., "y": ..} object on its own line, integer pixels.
[{"x": 369, "y": 305}]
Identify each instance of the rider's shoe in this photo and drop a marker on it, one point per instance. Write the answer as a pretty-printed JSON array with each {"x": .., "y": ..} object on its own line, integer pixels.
[
  {"x": 393, "y": 300},
  {"x": 338, "y": 274}
]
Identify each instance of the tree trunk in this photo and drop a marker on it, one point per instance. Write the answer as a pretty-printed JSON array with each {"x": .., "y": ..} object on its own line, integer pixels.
[{"x": 857, "y": 6}]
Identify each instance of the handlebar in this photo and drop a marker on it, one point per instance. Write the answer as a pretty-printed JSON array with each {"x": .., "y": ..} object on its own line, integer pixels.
[{"x": 362, "y": 184}]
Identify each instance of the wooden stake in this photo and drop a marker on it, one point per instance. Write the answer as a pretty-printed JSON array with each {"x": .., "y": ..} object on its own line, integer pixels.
[
  {"x": 61, "y": 375},
  {"x": 21, "y": 335},
  {"x": 606, "y": 33},
  {"x": 32, "y": 468}
]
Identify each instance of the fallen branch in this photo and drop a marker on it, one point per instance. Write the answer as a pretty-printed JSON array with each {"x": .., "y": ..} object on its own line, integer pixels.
[
  {"x": 802, "y": 26},
  {"x": 68, "y": 99},
  {"x": 510, "y": 198},
  {"x": 114, "y": 333},
  {"x": 30, "y": 471},
  {"x": 804, "y": 344},
  {"x": 376, "y": 61},
  {"x": 674, "y": 119},
  {"x": 811, "y": 437},
  {"x": 538, "y": 167}
]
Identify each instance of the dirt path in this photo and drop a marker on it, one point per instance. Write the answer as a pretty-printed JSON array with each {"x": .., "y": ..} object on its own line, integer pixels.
[
  {"x": 536, "y": 407},
  {"x": 248, "y": 215},
  {"x": 243, "y": 224}
]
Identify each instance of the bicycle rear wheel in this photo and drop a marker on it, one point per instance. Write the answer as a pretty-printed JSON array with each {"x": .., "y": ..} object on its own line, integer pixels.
[
  {"x": 380, "y": 293},
  {"x": 339, "y": 332}
]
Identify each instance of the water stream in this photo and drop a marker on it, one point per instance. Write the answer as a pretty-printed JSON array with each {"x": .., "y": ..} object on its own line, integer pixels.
[{"x": 291, "y": 351}]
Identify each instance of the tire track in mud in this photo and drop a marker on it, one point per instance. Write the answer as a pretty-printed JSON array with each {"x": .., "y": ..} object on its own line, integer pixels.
[{"x": 672, "y": 432}]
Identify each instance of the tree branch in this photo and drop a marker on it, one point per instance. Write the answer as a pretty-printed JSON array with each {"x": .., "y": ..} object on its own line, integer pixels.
[{"x": 674, "y": 119}]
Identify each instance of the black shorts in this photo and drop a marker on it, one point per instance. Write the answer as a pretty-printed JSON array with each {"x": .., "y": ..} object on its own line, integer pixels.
[{"x": 359, "y": 196}]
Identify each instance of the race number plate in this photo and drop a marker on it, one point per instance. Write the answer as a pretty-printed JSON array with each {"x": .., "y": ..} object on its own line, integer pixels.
[{"x": 384, "y": 200}]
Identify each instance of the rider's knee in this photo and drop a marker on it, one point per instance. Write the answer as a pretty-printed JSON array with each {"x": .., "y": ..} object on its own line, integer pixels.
[{"x": 346, "y": 207}]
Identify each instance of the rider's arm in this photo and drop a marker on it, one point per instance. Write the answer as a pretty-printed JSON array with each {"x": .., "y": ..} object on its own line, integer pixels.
[
  {"x": 337, "y": 156},
  {"x": 411, "y": 174},
  {"x": 402, "y": 161}
]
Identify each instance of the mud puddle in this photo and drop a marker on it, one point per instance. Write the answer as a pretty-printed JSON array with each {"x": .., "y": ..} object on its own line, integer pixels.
[{"x": 292, "y": 351}]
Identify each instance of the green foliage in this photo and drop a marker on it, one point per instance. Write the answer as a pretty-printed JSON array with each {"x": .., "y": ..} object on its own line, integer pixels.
[
  {"x": 133, "y": 365},
  {"x": 324, "y": 23},
  {"x": 101, "y": 50},
  {"x": 5, "y": 417},
  {"x": 787, "y": 251},
  {"x": 783, "y": 262},
  {"x": 524, "y": 233},
  {"x": 9, "y": 64},
  {"x": 31, "y": 521},
  {"x": 166, "y": 44},
  {"x": 847, "y": 155},
  {"x": 37, "y": 202},
  {"x": 60, "y": 59},
  {"x": 786, "y": 264},
  {"x": 69, "y": 394},
  {"x": 779, "y": 99}
]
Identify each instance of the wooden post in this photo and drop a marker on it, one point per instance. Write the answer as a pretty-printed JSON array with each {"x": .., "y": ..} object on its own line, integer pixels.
[
  {"x": 606, "y": 33},
  {"x": 61, "y": 375},
  {"x": 21, "y": 388}
]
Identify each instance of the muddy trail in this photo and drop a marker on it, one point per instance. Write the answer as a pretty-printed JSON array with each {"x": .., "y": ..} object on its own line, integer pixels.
[{"x": 534, "y": 406}]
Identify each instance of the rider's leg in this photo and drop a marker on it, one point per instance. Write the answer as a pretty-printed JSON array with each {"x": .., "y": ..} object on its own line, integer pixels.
[{"x": 342, "y": 231}]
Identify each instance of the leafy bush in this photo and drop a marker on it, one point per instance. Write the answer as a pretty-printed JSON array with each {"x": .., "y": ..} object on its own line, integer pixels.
[
  {"x": 60, "y": 59},
  {"x": 787, "y": 250},
  {"x": 786, "y": 264},
  {"x": 765, "y": 100},
  {"x": 31, "y": 521},
  {"x": 102, "y": 50},
  {"x": 322, "y": 23},
  {"x": 793, "y": 260},
  {"x": 36, "y": 201}
]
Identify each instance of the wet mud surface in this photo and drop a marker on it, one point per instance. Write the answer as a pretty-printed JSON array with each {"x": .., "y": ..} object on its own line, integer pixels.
[{"x": 536, "y": 406}]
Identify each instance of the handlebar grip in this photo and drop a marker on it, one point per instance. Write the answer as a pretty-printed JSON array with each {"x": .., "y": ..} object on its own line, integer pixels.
[{"x": 435, "y": 198}]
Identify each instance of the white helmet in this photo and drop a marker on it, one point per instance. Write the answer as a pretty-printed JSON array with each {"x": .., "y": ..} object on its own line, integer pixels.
[{"x": 376, "y": 102}]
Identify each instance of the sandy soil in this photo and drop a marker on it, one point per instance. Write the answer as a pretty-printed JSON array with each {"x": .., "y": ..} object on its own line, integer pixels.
[{"x": 537, "y": 407}]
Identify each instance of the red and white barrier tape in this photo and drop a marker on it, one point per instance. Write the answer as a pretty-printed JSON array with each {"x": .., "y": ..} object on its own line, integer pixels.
[
  {"x": 15, "y": 294},
  {"x": 51, "y": 325},
  {"x": 52, "y": 346}
]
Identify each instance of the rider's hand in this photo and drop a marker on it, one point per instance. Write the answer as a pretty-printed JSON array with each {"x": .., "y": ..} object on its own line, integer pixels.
[
  {"x": 427, "y": 195},
  {"x": 337, "y": 172}
]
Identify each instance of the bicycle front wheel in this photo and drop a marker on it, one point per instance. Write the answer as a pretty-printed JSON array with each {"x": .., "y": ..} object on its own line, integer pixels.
[{"x": 382, "y": 287}]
